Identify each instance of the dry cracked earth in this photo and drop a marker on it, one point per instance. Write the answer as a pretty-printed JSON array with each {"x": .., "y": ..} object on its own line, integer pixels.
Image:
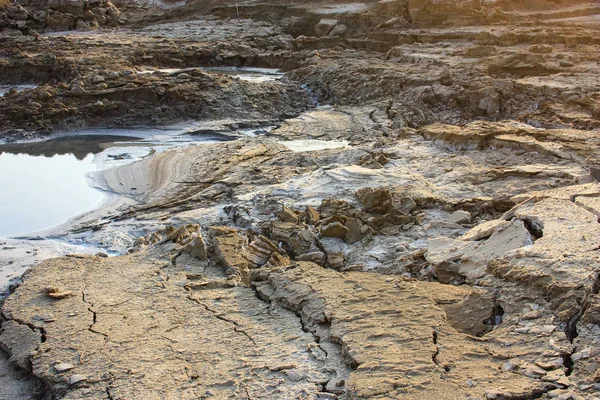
[{"x": 444, "y": 246}]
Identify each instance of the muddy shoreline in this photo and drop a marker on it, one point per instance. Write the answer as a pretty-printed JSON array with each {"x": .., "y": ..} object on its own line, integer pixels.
[{"x": 409, "y": 208}]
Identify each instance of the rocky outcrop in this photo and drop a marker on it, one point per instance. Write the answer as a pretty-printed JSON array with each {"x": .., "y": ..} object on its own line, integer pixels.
[
  {"x": 100, "y": 99},
  {"x": 430, "y": 12},
  {"x": 14, "y": 17},
  {"x": 83, "y": 15}
]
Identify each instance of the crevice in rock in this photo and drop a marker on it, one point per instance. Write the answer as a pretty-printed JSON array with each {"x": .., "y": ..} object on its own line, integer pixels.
[
  {"x": 571, "y": 327},
  {"x": 596, "y": 285},
  {"x": 434, "y": 356},
  {"x": 495, "y": 319},
  {"x": 43, "y": 334},
  {"x": 31, "y": 326},
  {"x": 568, "y": 363},
  {"x": 43, "y": 388},
  {"x": 175, "y": 257},
  {"x": 437, "y": 349},
  {"x": 345, "y": 359},
  {"x": 535, "y": 228}
]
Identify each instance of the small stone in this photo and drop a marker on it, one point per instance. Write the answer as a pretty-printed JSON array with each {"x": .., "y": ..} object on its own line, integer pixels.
[
  {"x": 530, "y": 315},
  {"x": 316, "y": 257},
  {"x": 311, "y": 216},
  {"x": 325, "y": 26},
  {"x": 335, "y": 229},
  {"x": 353, "y": 267},
  {"x": 62, "y": 367},
  {"x": 44, "y": 95},
  {"x": 491, "y": 394},
  {"x": 354, "y": 233},
  {"x": 336, "y": 260},
  {"x": 75, "y": 379},
  {"x": 289, "y": 215},
  {"x": 534, "y": 372},
  {"x": 548, "y": 328},
  {"x": 77, "y": 90},
  {"x": 550, "y": 364},
  {"x": 541, "y": 49},
  {"x": 57, "y": 293},
  {"x": 557, "y": 376},
  {"x": 338, "y": 30},
  {"x": 294, "y": 375},
  {"x": 460, "y": 217},
  {"x": 509, "y": 366}
]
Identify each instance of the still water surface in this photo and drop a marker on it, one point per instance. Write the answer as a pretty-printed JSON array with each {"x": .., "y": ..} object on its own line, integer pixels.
[{"x": 43, "y": 184}]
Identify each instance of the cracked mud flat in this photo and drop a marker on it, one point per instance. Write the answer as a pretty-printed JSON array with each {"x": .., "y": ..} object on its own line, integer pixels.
[{"x": 430, "y": 231}]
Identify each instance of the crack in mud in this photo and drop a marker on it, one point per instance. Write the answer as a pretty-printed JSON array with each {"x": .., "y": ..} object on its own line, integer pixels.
[
  {"x": 437, "y": 349},
  {"x": 94, "y": 317},
  {"x": 236, "y": 326}
]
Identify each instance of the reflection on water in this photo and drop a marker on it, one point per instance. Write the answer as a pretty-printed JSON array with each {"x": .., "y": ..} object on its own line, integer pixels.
[
  {"x": 39, "y": 192},
  {"x": 44, "y": 183},
  {"x": 249, "y": 74},
  {"x": 79, "y": 146},
  {"x": 313, "y": 144},
  {"x": 6, "y": 88}
]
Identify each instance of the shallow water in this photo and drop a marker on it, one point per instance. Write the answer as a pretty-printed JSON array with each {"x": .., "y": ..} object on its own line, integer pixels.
[
  {"x": 44, "y": 183},
  {"x": 249, "y": 74},
  {"x": 313, "y": 144},
  {"x": 39, "y": 191},
  {"x": 6, "y": 88}
]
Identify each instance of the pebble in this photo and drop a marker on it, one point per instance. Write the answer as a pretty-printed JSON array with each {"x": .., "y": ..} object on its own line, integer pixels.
[
  {"x": 75, "y": 379},
  {"x": 76, "y": 89},
  {"x": 534, "y": 372},
  {"x": 508, "y": 366},
  {"x": 493, "y": 394},
  {"x": 45, "y": 95},
  {"x": 551, "y": 364},
  {"x": 557, "y": 376},
  {"x": 62, "y": 367},
  {"x": 531, "y": 315}
]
